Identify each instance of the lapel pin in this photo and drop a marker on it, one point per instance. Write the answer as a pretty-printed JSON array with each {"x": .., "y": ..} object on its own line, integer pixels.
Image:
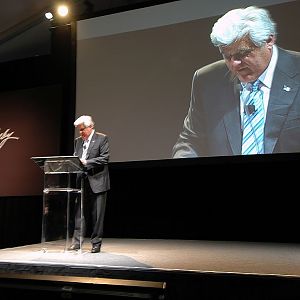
[{"x": 286, "y": 88}]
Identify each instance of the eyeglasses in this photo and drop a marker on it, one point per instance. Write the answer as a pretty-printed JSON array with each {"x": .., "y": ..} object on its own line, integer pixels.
[
  {"x": 240, "y": 55},
  {"x": 83, "y": 129}
]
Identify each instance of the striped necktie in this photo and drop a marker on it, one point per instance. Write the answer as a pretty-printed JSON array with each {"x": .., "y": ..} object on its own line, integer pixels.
[{"x": 253, "y": 120}]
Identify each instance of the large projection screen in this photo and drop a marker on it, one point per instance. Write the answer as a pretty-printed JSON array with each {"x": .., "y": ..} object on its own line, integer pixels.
[{"x": 134, "y": 69}]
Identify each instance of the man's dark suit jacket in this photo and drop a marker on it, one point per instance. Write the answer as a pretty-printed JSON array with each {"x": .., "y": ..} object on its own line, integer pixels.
[
  {"x": 212, "y": 126},
  {"x": 97, "y": 161}
]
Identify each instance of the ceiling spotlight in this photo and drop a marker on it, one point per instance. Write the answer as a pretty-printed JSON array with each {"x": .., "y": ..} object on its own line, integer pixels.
[
  {"x": 68, "y": 10},
  {"x": 49, "y": 15},
  {"x": 62, "y": 10}
]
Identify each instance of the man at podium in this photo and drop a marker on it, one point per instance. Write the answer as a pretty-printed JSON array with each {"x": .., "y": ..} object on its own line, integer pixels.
[{"x": 93, "y": 150}]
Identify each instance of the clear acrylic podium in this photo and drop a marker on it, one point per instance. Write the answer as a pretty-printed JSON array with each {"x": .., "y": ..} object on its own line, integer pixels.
[{"x": 59, "y": 195}]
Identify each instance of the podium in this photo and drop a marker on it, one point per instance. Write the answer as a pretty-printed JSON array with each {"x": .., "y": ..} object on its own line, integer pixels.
[{"x": 61, "y": 190}]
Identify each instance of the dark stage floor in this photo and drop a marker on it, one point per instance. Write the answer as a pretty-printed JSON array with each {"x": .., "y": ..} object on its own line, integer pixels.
[{"x": 155, "y": 269}]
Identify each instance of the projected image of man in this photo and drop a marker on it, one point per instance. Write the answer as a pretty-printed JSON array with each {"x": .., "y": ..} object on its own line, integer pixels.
[{"x": 248, "y": 102}]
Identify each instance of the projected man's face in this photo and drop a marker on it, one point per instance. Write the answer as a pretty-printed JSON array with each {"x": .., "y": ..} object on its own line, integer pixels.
[{"x": 245, "y": 60}]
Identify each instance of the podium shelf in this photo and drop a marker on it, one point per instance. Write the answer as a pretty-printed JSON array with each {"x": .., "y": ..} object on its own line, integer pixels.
[
  {"x": 61, "y": 172},
  {"x": 60, "y": 189}
]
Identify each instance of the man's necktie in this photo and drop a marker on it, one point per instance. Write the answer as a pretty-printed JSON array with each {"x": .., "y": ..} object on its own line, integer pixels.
[
  {"x": 84, "y": 152},
  {"x": 253, "y": 120}
]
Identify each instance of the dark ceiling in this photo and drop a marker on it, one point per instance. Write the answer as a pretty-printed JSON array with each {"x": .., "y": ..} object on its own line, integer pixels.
[{"x": 24, "y": 31}]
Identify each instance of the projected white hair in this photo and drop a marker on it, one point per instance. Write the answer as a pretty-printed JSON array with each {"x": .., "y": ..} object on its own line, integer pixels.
[{"x": 238, "y": 23}]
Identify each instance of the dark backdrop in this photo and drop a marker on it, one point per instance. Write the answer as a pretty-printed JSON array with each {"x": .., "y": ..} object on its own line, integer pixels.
[{"x": 203, "y": 198}]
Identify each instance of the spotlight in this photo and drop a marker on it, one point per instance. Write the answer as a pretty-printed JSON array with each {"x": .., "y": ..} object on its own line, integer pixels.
[
  {"x": 49, "y": 15},
  {"x": 65, "y": 10},
  {"x": 62, "y": 10}
]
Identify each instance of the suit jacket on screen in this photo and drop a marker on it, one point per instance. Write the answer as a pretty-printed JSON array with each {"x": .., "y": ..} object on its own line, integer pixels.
[{"x": 212, "y": 126}]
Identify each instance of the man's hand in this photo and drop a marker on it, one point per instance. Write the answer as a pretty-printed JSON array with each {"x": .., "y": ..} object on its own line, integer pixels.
[{"x": 83, "y": 161}]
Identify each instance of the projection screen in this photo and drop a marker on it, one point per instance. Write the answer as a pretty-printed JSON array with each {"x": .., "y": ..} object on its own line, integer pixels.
[{"x": 134, "y": 69}]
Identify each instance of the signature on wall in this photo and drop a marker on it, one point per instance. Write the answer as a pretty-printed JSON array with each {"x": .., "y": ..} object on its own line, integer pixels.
[{"x": 5, "y": 136}]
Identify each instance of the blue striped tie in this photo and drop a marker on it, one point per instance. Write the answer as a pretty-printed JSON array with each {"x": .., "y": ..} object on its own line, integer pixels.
[{"x": 253, "y": 121}]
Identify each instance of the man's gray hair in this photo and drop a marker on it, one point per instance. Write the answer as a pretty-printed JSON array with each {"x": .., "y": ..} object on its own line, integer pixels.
[
  {"x": 87, "y": 121},
  {"x": 238, "y": 23}
]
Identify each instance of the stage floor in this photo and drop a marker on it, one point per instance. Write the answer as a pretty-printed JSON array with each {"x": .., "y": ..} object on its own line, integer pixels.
[
  {"x": 154, "y": 261},
  {"x": 172, "y": 255}
]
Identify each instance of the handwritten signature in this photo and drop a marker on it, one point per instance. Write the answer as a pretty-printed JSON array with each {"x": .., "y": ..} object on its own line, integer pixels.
[{"x": 5, "y": 136}]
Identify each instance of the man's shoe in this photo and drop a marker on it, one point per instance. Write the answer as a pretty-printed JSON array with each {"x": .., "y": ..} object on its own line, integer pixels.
[
  {"x": 96, "y": 248},
  {"x": 74, "y": 247}
]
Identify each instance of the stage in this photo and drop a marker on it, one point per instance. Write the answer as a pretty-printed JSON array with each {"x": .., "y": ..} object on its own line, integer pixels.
[{"x": 153, "y": 269}]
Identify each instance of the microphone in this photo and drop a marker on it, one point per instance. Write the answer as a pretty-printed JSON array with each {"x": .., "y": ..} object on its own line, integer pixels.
[{"x": 249, "y": 109}]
